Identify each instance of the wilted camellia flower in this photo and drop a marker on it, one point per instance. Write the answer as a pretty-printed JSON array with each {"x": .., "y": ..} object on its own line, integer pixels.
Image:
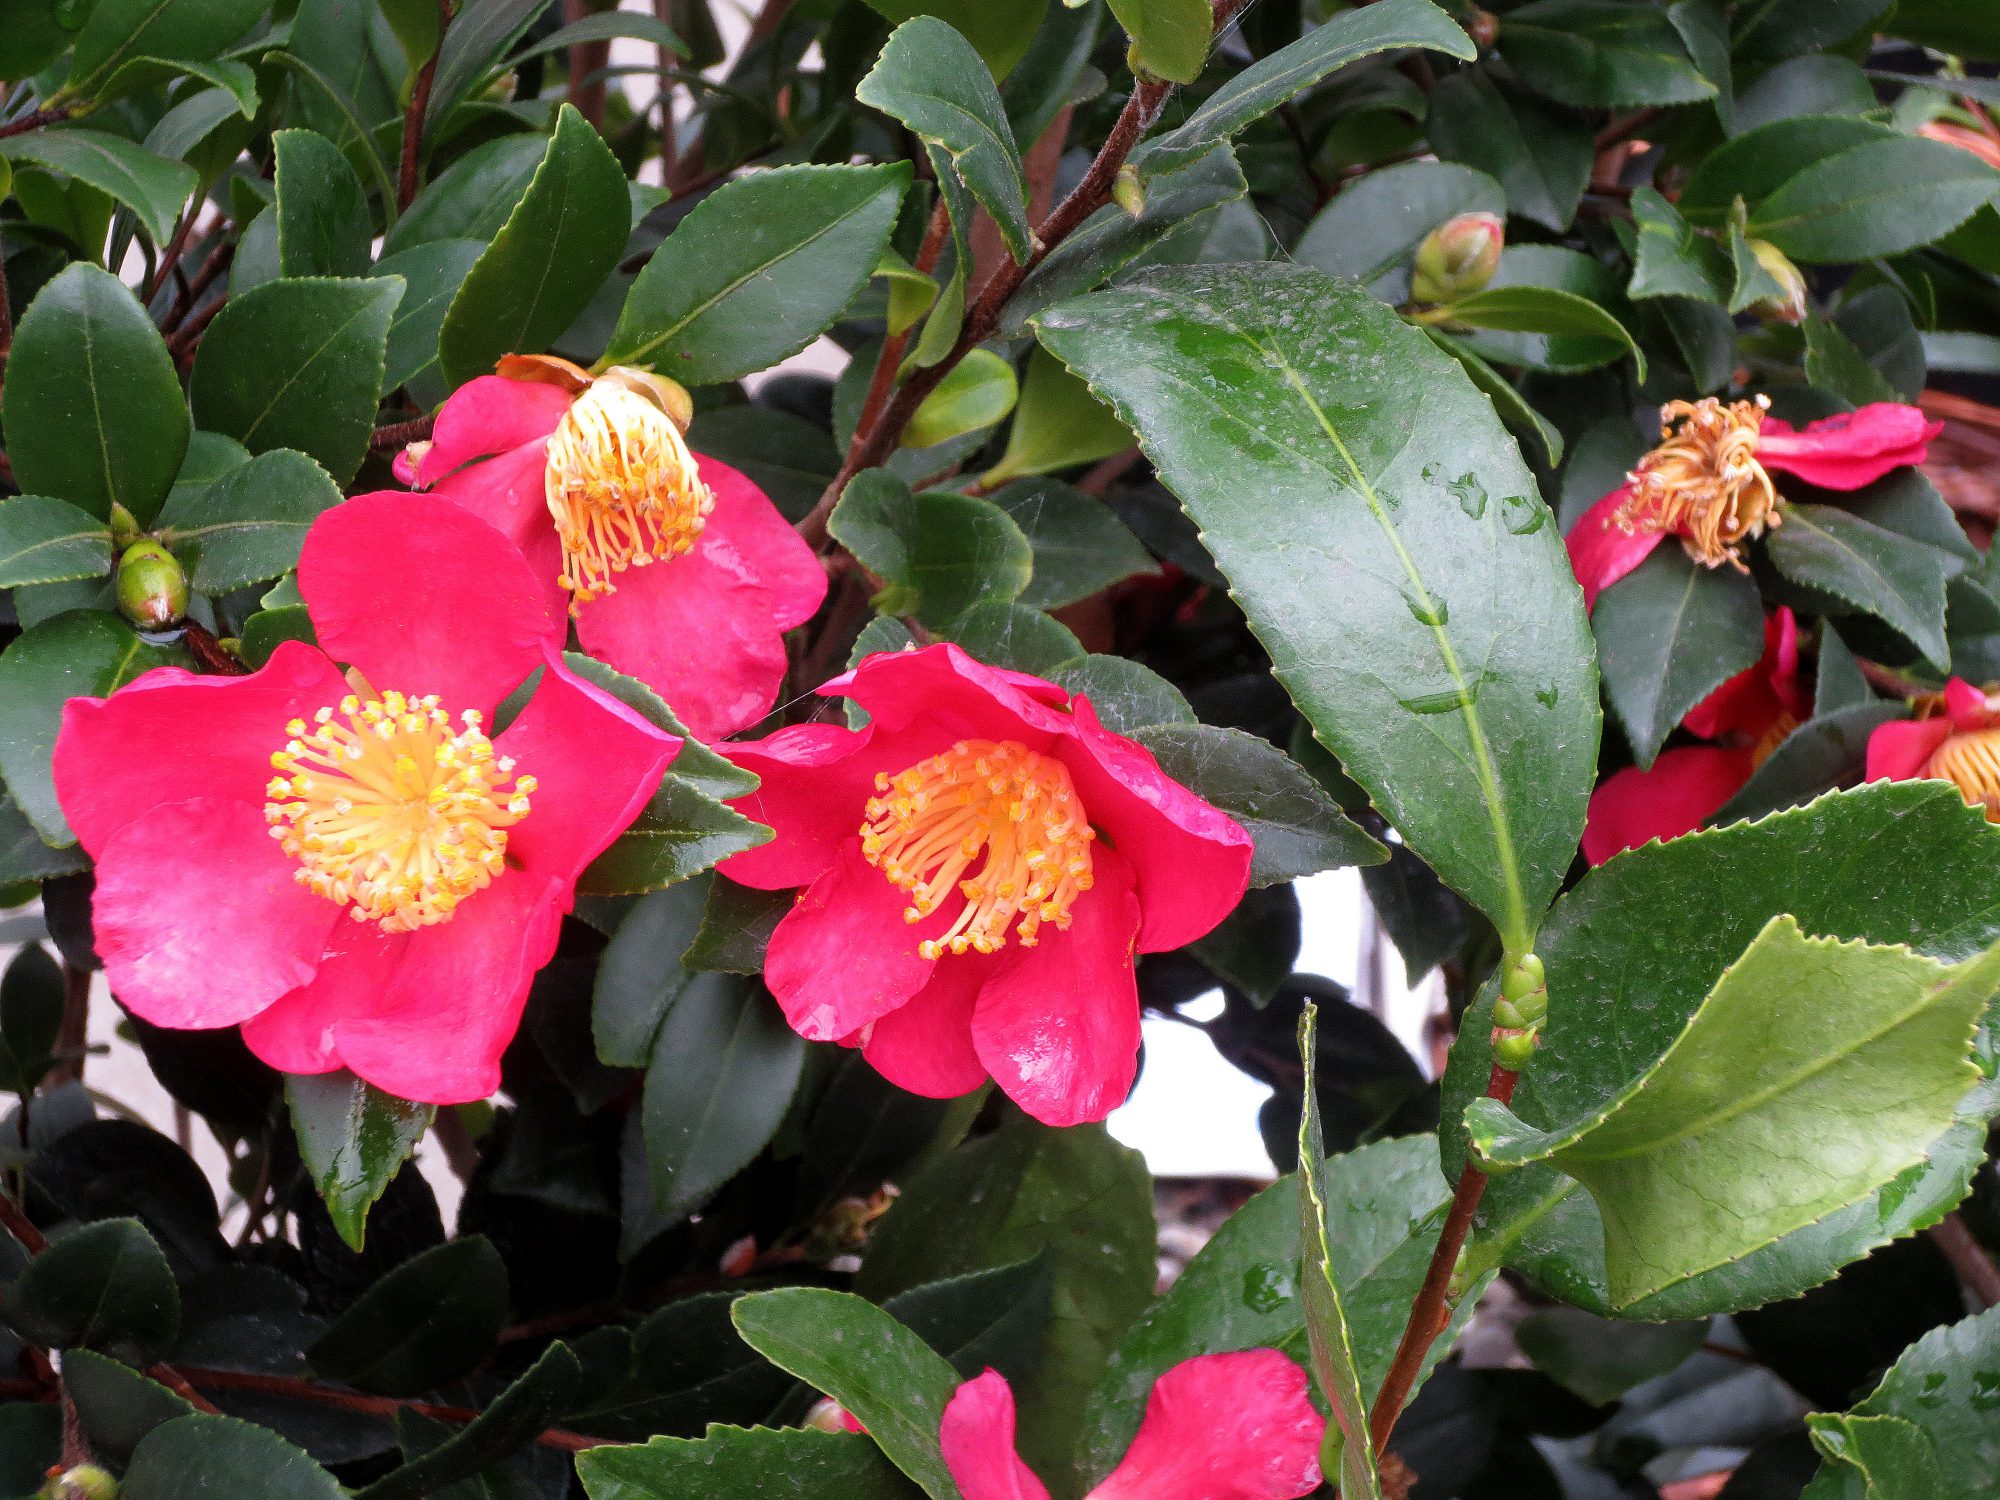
[
  {"x": 980, "y": 862},
  {"x": 357, "y": 869},
  {"x": 679, "y": 570},
  {"x": 1955, "y": 737},
  {"x": 1217, "y": 1427},
  {"x": 1709, "y": 481}
]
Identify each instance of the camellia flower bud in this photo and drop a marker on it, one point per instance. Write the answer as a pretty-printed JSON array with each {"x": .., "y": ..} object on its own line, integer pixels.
[
  {"x": 1128, "y": 192},
  {"x": 1790, "y": 306},
  {"x": 152, "y": 588},
  {"x": 1458, "y": 258},
  {"x": 81, "y": 1482}
]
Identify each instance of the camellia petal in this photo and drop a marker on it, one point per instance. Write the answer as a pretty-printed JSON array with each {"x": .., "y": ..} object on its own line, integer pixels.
[
  {"x": 1058, "y": 1024},
  {"x": 1235, "y": 1426},
  {"x": 813, "y": 781},
  {"x": 198, "y": 919},
  {"x": 1601, "y": 551},
  {"x": 1758, "y": 698},
  {"x": 487, "y": 416},
  {"x": 506, "y": 492},
  {"x": 955, "y": 695},
  {"x": 1679, "y": 793},
  {"x": 421, "y": 596},
  {"x": 295, "y": 1034},
  {"x": 924, "y": 1046},
  {"x": 843, "y": 956},
  {"x": 746, "y": 536},
  {"x": 111, "y": 760},
  {"x": 1900, "y": 751},
  {"x": 1852, "y": 449},
  {"x": 977, "y": 1439}
]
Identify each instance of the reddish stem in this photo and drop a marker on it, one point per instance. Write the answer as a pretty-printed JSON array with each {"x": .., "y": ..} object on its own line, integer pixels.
[
  {"x": 413, "y": 117},
  {"x": 1968, "y": 1258},
  {"x": 209, "y": 653},
  {"x": 374, "y": 1406},
  {"x": 34, "y": 120}
]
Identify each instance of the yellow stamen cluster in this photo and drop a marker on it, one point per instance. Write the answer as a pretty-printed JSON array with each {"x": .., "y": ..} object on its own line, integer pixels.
[
  {"x": 622, "y": 487},
  {"x": 1703, "y": 481},
  {"x": 391, "y": 811},
  {"x": 1019, "y": 809},
  {"x": 1970, "y": 761}
]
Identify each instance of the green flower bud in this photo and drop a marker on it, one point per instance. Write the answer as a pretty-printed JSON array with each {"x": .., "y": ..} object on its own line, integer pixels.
[
  {"x": 1506, "y": 1014},
  {"x": 1513, "y": 1050},
  {"x": 1790, "y": 306},
  {"x": 1128, "y": 192},
  {"x": 152, "y": 589},
  {"x": 83, "y": 1482},
  {"x": 1458, "y": 258},
  {"x": 125, "y": 528}
]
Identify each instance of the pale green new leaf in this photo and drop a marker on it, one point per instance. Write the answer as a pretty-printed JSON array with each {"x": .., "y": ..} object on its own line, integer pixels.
[{"x": 1747, "y": 1127}]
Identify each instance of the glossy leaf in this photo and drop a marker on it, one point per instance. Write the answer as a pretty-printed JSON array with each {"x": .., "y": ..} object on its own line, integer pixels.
[
  {"x": 930, "y": 78},
  {"x": 736, "y": 927},
  {"x": 1470, "y": 713},
  {"x": 1898, "y": 580},
  {"x": 1058, "y": 424},
  {"x": 120, "y": 31},
  {"x": 1926, "y": 190},
  {"x": 298, "y": 364},
  {"x": 431, "y": 274},
  {"x": 891, "y": 1381},
  {"x": 758, "y": 270},
  {"x": 1125, "y": 695},
  {"x": 472, "y": 198},
  {"x": 515, "y": 1417},
  {"x": 1545, "y": 310},
  {"x": 730, "y": 1462},
  {"x": 1169, "y": 37},
  {"x": 1668, "y": 634},
  {"x": 103, "y": 1286},
  {"x": 1597, "y": 52},
  {"x": 999, "y": 30},
  {"x": 50, "y": 541},
  {"x": 352, "y": 1139},
  {"x": 1755, "y": 164},
  {"x": 93, "y": 408},
  {"x": 723, "y": 1071},
  {"x": 1276, "y": 80},
  {"x": 640, "y": 975},
  {"x": 1080, "y": 546},
  {"x": 116, "y": 1404},
  {"x": 431, "y": 1320},
  {"x": 152, "y": 186},
  {"x": 939, "y": 553},
  {"x": 1600, "y": 1359},
  {"x": 978, "y": 393},
  {"x": 201, "y": 1455},
  {"x": 248, "y": 525},
  {"x": 1510, "y": 405},
  {"x": 1672, "y": 259},
  {"x": 1540, "y": 154},
  {"x": 1298, "y": 829},
  {"x": 324, "y": 226},
  {"x": 545, "y": 264},
  {"x": 83, "y": 652},
  {"x": 1740, "y": 1132}
]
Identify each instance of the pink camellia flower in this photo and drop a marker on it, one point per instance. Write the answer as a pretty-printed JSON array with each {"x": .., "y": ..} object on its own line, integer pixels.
[
  {"x": 1955, "y": 737},
  {"x": 1745, "y": 719},
  {"x": 1708, "y": 481},
  {"x": 679, "y": 570},
  {"x": 349, "y": 866},
  {"x": 1217, "y": 1427},
  {"x": 980, "y": 863}
]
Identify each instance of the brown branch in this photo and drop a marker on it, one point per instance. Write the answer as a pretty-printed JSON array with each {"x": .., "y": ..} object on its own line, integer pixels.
[
  {"x": 1430, "y": 1315},
  {"x": 208, "y": 652},
  {"x": 883, "y": 381},
  {"x": 6, "y": 313},
  {"x": 413, "y": 117},
  {"x": 188, "y": 293},
  {"x": 397, "y": 434},
  {"x": 170, "y": 254},
  {"x": 14, "y": 1219},
  {"x": 34, "y": 120},
  {"x": 586, "y": 92},
  {"x": 373, "y": 1406},
  {"x": 1969, "y": 1258},
  {"x": 73, "y": 1034}
]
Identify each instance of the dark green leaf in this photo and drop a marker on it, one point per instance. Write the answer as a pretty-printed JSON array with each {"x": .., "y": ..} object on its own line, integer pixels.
[
  {"x": 1388, "y": 484},
  {"x": 1256, "y": 947},
  {"x": 50, "y": 541},
  {"x": 121, "y": 30},
  {"x": 1000, "y": 30},
  {"x": 732, "y": 1463},
  {"x": 983, "y": 1320},
  {"x": 473, "y": 46},
  {"x": 1668, "y": 635},
  {"x": 1372, "y": 228},
  {"x": 1011, "y": 635},
  {"x": 1785, "y": 28},
  {"x": 1508, "y": 403},
  {"x": 1080, "y": 546},
  {"x": 604, "y": 27},
  {"x": 1552, "y": 312},
  {"x": 1672, "y": 259},
  {"x": 546, "y": 263},
  {"x": 758, "y": 270},
  {"x": 1703, "y": 26},
  {"x": 891, "y": 1381},
  {"x": 1125, "y": 695},
  {"x": 788, "y": 458},
  {"x": 1816, "y": 84},
  {"x": 472, "y": 198},
  {"x": 352, "y": 1138},
  {"x": 84, "y": 653},
  {"x": 1899, "y": 581},
  {"x": 931, "y": 79},
  {"x": 1758, "y": 162},
  {"x": 1540, "y": 154},
  {"x": 200, "y": 1456},
  {"x": 31, "y": 1011},
  {"x": 1600, "y": 1359},
  {"x": 298, "y": 364},
  {"x": 23, "y": 855},
  {"x": 93, "y": 409},
  {"x": 723, "y": 1071},
  {"x": 682, "y": 832},
  {"x": 1834, "y": 365},
  {"x": 515, "y": 1417},
  {"x": 736, "y": 926},
  {"x": 324, "y": 226},
  {"x": 1277, "y": 79},
  {"x": 431, "y": 273},
  {"x": 117, "y": 1405},
  {"x": 249, "y": 524},
  {"x": 1598, "y": 52},
  {"x": 1916, "y": 191},
  {"x": 640, "y": 975},
  {"x": 1008, "y": 1197},
  {"x": 939, "y": 553},
  {"x": 697, "y": 765},
  {"x": 1298, "y": 829},
  {"x": 1563, "y": 337},
  {"x": 431, "y": 1320},
  {"x": 268, "y": 629},
  {"x": 152, "y": 186},
  {"x": 1829, "y": 750},
  {"x": 103, "y": 1286}
]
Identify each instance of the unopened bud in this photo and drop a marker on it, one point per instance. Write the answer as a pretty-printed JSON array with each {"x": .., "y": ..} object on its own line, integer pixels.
[
  {"x": 1458, "y": 257},
  {"x": 1514, "y": 1050},
  {"x": 1790, "y": 305},
  {"x": 1524, "y": 994},
  {"x": 152, "y": 588},
  {"x": 828, "y": 1415},
  {"x": 1507, "y": 1014},
  {"x": 1483, "y": 27},
  {"x": 125, "y": 529},
  {"x": 1128, "y": 192},
  {"x": 82, "y": 1482}
]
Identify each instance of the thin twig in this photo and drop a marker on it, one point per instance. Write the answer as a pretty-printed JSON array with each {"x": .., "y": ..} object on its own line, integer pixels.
[
  {"x": 398, "y": 434},
  {"x": 883, "y": 381},
  {"x": 374, "y": 1406},
  {"x": 170, "y": 256},
  {"x": 1969, "y": 1258},
  {"x": 14, "y": 1219},
  {"x": 73, "y": 1034},
  {"x": 34, "y": 120},
  {"x": 209, "y": 653},
  {"x": 413, "y": 117},
  {"x": 191, "y": 291}
]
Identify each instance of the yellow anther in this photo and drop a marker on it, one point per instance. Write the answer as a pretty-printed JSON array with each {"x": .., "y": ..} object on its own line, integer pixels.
[
  {"x": 999, "y": 800},
  {"x": 1970, "y": 761},
  {"x": 1703, "y": 481}
]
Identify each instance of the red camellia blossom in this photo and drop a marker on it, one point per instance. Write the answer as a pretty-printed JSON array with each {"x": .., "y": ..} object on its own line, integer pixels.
[
  {"x": 1955, "y": 737},
  {"x": 980, "y": 863},
  {"x": 349, "y": 866},
  {"x": 1708, "y": 481},
  {"x": 1217, "y": 1427},
  {"x": 679, "y": 570},
  {"x": 1746, "y": 719}
]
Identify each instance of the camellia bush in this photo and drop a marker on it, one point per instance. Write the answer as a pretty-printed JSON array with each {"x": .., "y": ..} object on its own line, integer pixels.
[{"x": 707, "y": 606}]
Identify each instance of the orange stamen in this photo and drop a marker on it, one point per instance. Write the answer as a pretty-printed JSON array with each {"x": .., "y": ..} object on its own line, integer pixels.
[
  {"x": 1970, "y": 761},
  {"x": 1703, "y": 481}
]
